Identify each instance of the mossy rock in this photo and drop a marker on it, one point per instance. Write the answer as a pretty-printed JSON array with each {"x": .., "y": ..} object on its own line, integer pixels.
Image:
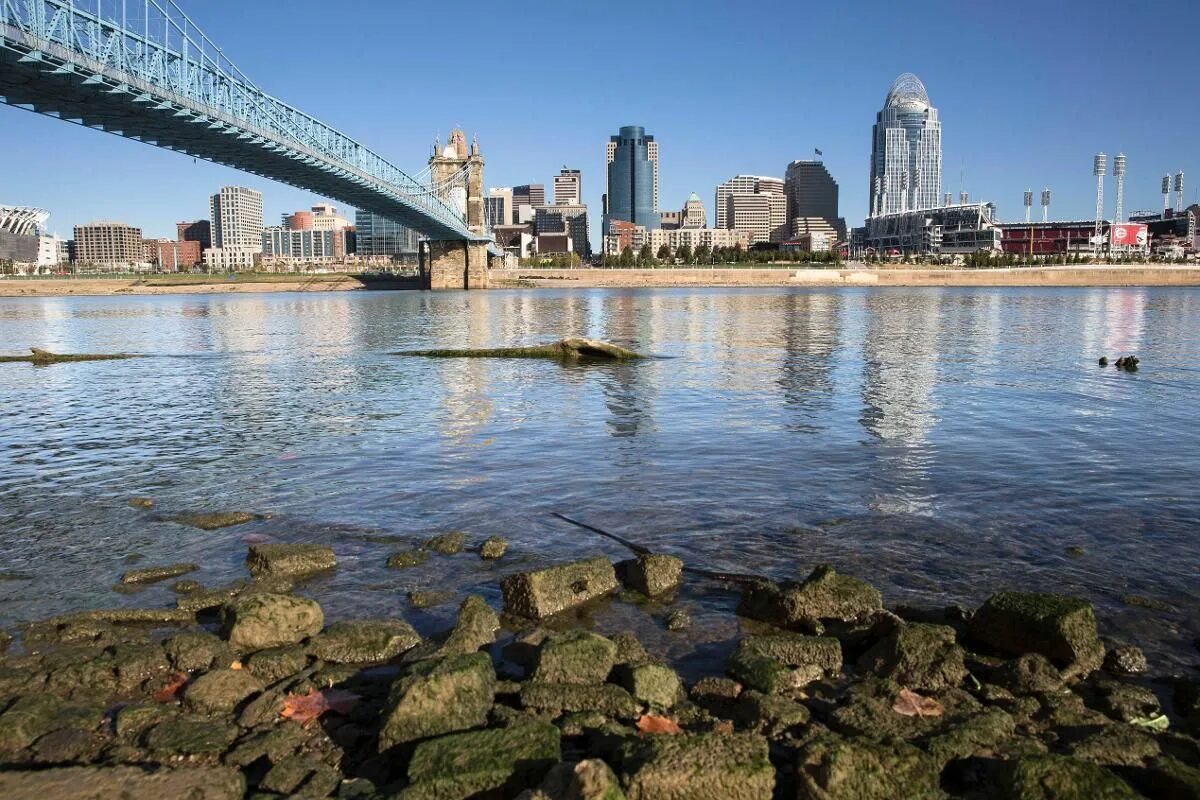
[
  {"x": 30, "y": 717},
  {"x": 493, "y": 548},
  {"x": 447, "y": 544},
  {"x": 42, "y": 358},
  {"x": 441, "y": 697},
  {"x": 653, "y": 684},
  {"x": 570, "y": 349},
  {"x": 542, "y": 593},
  {"x": 259, "y": 621},
  {"x": 769, "y": 713},
  {"x": 185, "y": 736},
  {"x": 1059, "y": 627},
  {"x": 765, "y": 674},
  {"x": 214, "y": 520},
  {"x": 156, "y": 574},
  {"x": 1117, "y": 746},
  {"x": 833, "y": 768},
  {"x": 917, "y": 656},
  {"x": 474, "y": 628},
  {"x": 197, "y": 650},
  {"x": 613, "y": 701},
  {"x": 276, "y": 663},
  {"x": 698, "y": 766},
  {"x": 403, "y": 559},
  {"x": 824, "y": 595},
  {"x": 651, "y": 574},
  {"x": 524, "y": 752},
  {"x": 289, "y": 560},
  {"x": 576, "y": 657},
  {"x": 364, "y": 641},
  {"x": 1053, "y": 777},
  {"x": 221, "y": 690},
  {"x": 975, "y": 735},
  {"x": 798, "y": 650}
]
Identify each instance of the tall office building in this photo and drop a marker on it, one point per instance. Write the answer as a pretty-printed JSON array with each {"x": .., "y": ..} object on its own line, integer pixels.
[
  {"x": 498, "y": 207},
  {"x": 109, "y": 244},
  {"x": 570, "y": 220},
  {"x": 568, "y": 187},
  {"x": 762, "y": 216},
  {"x": 632, "y": 179},
  {"x": 812, "y": 198},
  {"x": 380, "y": 236},
  {"x": 237, "y": 226},
  {"x": 525, "y": 200},
  {"x": 906, "y": 150},
  {"x": 743, "y": 184},
  {"x": 693, "y": 215}
]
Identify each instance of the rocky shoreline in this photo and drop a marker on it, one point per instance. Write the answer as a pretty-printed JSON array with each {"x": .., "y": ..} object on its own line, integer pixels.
[{"x": 245, "y": 691}]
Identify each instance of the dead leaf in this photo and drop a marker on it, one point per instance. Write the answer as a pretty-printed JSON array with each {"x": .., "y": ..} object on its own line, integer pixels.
[
  {"x": 911, "y": 704},
  {"x": 236, "y": 665},
  {"x": 305, "y": 708},
  {"x": 650, "y": 724},
  {"x": 169, "y": 693}
]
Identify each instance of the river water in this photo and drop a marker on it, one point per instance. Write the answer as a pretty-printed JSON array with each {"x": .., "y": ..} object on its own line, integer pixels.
[{"x": 941, "y": 443}]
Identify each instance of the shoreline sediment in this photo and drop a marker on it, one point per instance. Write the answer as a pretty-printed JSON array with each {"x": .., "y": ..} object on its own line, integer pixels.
[{"x": 827, "y": 694}]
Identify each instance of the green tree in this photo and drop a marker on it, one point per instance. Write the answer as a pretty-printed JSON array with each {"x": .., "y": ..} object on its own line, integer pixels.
[
  {"x": 685, "y": 254},
  {"x": 664, "y": 253},
  {"x": 626, "y": 257},
  {"x": 703, "y": 254},
  {"x": 645, "y": 255}
]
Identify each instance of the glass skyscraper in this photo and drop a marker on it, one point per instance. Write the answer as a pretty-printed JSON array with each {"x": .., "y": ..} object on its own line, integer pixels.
[
  {"x": 380, "y": 236},
  {"x": 906, "y": 151},
  {"x": 631, "y": 175}
]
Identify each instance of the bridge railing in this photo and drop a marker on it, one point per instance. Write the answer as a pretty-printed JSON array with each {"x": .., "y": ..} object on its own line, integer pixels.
[{"x": 156, "y": 43}]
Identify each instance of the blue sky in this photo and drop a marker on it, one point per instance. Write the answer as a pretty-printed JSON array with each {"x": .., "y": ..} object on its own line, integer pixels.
[{"x": 1027, "y": 93}]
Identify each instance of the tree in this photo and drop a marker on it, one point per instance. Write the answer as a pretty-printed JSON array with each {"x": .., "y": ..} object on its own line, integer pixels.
[
  {"x": 645, "y": 255},
  {"x": 626, "y": 259},
  {"x": 702, "y": 254},
  {"x": 664, "y": 253},
  {"x": 685, "y": 254}
]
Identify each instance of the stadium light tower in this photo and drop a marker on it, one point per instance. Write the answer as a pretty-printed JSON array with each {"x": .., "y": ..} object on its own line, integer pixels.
[
  {"x": 1166, "y": 190},
  {"x": 1119, "y": 174},
  {"x": 1179, "y": 192},
  {"x": 1099, "y": 168},
  {"x": 1028, "y": 204},
  {"x": 1046, "y": 205}
]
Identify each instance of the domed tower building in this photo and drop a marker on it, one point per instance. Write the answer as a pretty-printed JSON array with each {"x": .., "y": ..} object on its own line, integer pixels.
[
  {"x": 906, "y": 150},
  {"x": 457, "y": 172}
]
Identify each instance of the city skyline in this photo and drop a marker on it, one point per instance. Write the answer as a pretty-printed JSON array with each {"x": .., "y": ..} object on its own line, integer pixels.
[{"x": 1021, "y": 132}]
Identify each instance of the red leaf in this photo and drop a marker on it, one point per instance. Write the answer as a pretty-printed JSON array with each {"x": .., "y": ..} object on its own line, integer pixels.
[
  {"x": 305, "y": 708},
  {"x": 169, "y": 693},
  {"x": 650, "y": 724},
  {"x": 911, "y": 704}
]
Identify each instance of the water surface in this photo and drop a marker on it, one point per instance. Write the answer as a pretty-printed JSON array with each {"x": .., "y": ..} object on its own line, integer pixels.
[{"x": 941, "y": 443}]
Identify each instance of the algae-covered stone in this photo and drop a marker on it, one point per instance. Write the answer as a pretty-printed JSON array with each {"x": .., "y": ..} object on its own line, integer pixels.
[
  {"x": 654, "y": 684},
  {"x": 155, "y": 574},
  {"x": 824, "y": 595},
  {"x": 797, "y": 650},
  {"x": 119, "y": 782},
  {"x": 258, "y": 621},
  {"x": 1126, "y": 660},
  {"x": 918, "y": 656},
  {"x": 431, "y": 598},
  {"x": 1117, "y": 746},
  {"x": 451, "y": 695},
  {"x": 407, "y": 558},
  {"x": 195, "y": 650},
  {"x": 1168, "y": 777},
  {"x": 651, "y": 574},
  {"x": 770, "y": 713},
  {"x": 698, "y": 766},
  {"x": 446, "y": 543},
  {"x": 1059, "y": 627},
  {"x": 289, "y": 560},
  {"x": 978, "y": 734},
  {"x": 221, "y": 690},
  {"x": 364, "y": 641},
  {"x": 629, "y": 649},
  {"x": 300, "y": 776},
  {"x": 510, "y": 758},
  {"x": 185, "y": 736},
  {"x": 606, "y": 698},
  {"x": 540, "y": 593},
  {"x": 475, "y": 627},
  {"x": 276, "y": 663},
  {"x": 135, "y": 664},
  {"x": 765, "y": 674},
  {"x": 832, "y": 768},
  {"x": 132, "y": 720},
  {"x": 30, "y": 717},
  {"x": 1053, "y": 777},
  {"x": 141, "y": 502},
  {"x": 678, "y": 620},
  {"x": 214, "y": 520},
  {"x": 578, "y": 657},
  {"x": 590, "y": 779},
  {"x": 493, "y": 548},
  {"x": 1028, "y": 674}
]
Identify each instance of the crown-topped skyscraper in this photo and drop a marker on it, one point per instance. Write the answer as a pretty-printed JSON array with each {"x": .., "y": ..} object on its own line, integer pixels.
[{"x": 906, "y": 151}]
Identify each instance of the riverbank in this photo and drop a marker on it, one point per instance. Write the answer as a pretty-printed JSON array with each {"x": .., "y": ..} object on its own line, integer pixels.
[
  {"x": 827, "y": 694},
  {"x": 195, "y": 284},
  {"x": 1131, "y": 275}
]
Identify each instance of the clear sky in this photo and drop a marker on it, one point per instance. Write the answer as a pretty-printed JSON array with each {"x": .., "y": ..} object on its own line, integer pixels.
[{"x": 1027, "y": 93}]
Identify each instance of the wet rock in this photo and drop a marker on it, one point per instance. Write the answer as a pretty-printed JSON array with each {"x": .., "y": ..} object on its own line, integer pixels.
[
  {"x": 5, "y": 641},
  {"x": 1169, "y": 778},
  {"x": 155, "y": 574},
  {"x": 221, "y": 690},
  {"x": 832, "y": 768},
  {"x": 364, "y": 641},
  {"x": 798, "y": 650},
  {"x": 121, "y": 782},
  {"x": 577, "y": 723},
  {"x": 1059, "y": 627},
  {"x": 403, "y": 559},
  {"x": 31, "y": 717},
  {"x": 678, "y": 620},
  {"x": 768, "y": 713},
  {"x": 276, "y": 744},
  {"x": 1053, "y": 777},
  {"x": 717, "y": 695},
  {"x": 493, "y": 548},
  {"x": 190, "y": 651},
  {"x": 570, "y": 349},
  {"x": 590, "y": 779},
  {"x": 497, "y": 762},
  {"x": 1141, "y": 601},
  {"x": 475, "y": 627},
  {"x": 1103, "y": 361},
  {"x": 186, "y": 586},
  {"x": 276, "y": 663},
  {"x": 653, "y": 684},
  {"x": 214, "y": 520},
  {"x": 922, "y": 657},
  {"x": 132, "y": 720},
  {"x": 1126, "y": 660},
  {"x": 1117, "y": 746},
  {"x": 762, "y": 673},
  {"x": 141, "y": 502},
  {"x": 1075, "y": 551},
  {"x": 1029, "y": 674},
  {"x": 189, "y": 736},
  {"x": 1128, "y": 363},
  {"x": 652, "y": 574},
  {"x": 300, "y": 776},
  {"x": 67, "y": 746},
  {"x": 577, "y": 657},
  {"x": 1124, "y": 701},
  {"x": 975, "y": 736},
  {"x": 260, "y": 621},
  {"x": 135, "y": 664},
  {"x": 1066, "y": 709},
  {"x": 607, "y": 699},
  {"x": 447, "y": 543},
  {"x": 544, "y": 592},
  {"x": 700, "y": 766},
  {"x": 867, "y": 710},
  {"x": 824, "y": 595},
  {"x": 429, "y": 599},
  {"x": 629, "y": 649},
  {"x": 289, "y": 560},
  {"x": 440, "y": 697}
]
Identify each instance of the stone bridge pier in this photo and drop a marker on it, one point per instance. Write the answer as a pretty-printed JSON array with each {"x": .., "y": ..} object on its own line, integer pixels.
[{"x": 458, "y": 174}]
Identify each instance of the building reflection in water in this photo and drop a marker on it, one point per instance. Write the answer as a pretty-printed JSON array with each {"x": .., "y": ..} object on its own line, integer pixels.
[{"x": 810, "y": 329}]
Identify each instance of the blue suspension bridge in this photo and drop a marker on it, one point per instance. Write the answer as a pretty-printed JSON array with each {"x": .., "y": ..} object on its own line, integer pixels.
[{"x": 143, "y": 70}]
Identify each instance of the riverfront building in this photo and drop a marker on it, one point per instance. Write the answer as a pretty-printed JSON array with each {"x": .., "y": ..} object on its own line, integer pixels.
[
  {"x": 498, "y": 207},
  {"x": 525, "y": 199},
  {"x": 563, "y": 220},
  {"x": 762, "y": 216},
  {"x": 109, "y": 245},
  {"x": 906, "y": 150},
  {"x": 743, "y": 184},
  {"x": 568, "y": 187},
  {"x": 632, "y": 178},
  {"x": 237, "y": 225},
  {"x": 944, "y": 230},
  {"x": 812, "y": 200},
  {"x": 379, "y": 238}
]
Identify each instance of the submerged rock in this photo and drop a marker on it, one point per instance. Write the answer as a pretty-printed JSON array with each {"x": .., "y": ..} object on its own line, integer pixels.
[
  {"x": 1059, "y": 627},
  {"x": 570, "y": 349},
  {"x": 289, "y": 560},
  {"x": 141, "y": 502},
  {"x": 493, "y": 548},
  {"x": 439, "y": 697},
  {"x": 407, "y": 558},
  {"x": 259, "y": 621},
  {"x": 39, "y": 357},
  {"x": 364, "y": 641},
  {"x": 447, "y": 543},
  {"x": 544, "y": 592},
  {"x": 155, "y": 574},
  {"x": 429, "y": 599},
  {"x": 824, "y": 595},
  {"x": 678, "y": 620},
  {"x": 214, "y": 520},
  {"x": 699, "y": 766}
]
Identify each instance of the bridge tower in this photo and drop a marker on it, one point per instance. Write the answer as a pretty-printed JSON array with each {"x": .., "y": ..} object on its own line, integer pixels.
[{"x": 457, "y": 176}]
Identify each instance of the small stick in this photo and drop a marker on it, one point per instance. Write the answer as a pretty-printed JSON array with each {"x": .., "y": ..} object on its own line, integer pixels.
[{"x": 728, "y": 577}]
